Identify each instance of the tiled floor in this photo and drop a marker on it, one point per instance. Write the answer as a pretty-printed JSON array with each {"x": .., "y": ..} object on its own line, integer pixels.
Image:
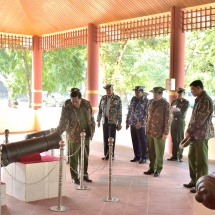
[{"x": 137, "y": 193}]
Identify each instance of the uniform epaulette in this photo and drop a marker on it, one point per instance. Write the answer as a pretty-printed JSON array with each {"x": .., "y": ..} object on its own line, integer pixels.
[
  {"x": 85, "y": 102},
  {"x": 67, "y": 102}
]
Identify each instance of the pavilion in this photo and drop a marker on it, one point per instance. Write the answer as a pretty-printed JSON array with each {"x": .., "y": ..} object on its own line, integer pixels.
[{"x": 40, "y": 25}]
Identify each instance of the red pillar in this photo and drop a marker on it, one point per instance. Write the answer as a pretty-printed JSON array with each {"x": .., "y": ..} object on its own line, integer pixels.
[
  {"x": 37, "y": 74},
  {"x": 177, "y": 49},
  {"x": 177, "y": 52},
  {"x": 92, "y": 67}
]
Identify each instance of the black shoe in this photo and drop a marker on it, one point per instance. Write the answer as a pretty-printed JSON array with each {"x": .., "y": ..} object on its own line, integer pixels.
[
  {"x": 156, "y": 174},
  {"x": 180, "y": 160},
  {"x": 76, "y": 181},
  {"x": 142, "y": 161},
  {"x": 113, "y": 158},
  {"x": 87, "y": 180},
  {"x": 135, "y": 159},
  {"x": 193, "y": 190},
  {"x": 105, "y": 158},
  {"x": 190, "y": 185},
  {"x": 172, "y": 159},
  {"x": 149, "y": 172}
]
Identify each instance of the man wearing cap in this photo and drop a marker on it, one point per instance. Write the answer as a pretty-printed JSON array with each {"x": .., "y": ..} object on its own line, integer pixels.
[
  {"x": 200, "y": 130},
  {"x": 110, "y": 111},
  {"x": 157, "y": 129},
  {"x": 76, "y": 117},
  {"x": 179, "y": 109},
  {"x": 136, "y": 119}
]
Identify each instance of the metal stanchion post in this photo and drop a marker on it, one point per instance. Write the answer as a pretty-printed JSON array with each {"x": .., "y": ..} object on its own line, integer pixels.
[
  {"x": 81, "y": 186},
  {"x": 6, "y": 136},
  {"x": 52, "y": 130},
  {"x": 109, "y": 198},
  {"x": 59, "y": 207}
]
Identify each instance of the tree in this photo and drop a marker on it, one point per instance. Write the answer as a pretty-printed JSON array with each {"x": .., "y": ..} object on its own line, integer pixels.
[
  {"x": 200, "y": 58},
  {"x": 135, "y": 62},
  {"x": 15, "y": 67},
  {"x": 67, "y": 66}
]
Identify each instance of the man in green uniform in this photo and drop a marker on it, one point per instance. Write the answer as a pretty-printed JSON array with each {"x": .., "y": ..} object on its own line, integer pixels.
[
  {"x": 200, "y": 130},
  {"x": 76, "y": 117},
  {"x": 157, "y": 129},
  {"x": 179, "y": 109}
]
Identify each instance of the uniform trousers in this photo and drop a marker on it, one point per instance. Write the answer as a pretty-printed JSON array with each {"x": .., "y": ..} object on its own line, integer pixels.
[
  {"x": 198, "y": 159},
  {"x": 156, "y": 147},
  {"x": 177, "y": 134},
  {"x": 75, "y": 158},
  {"x": 109, "y": 130},
  {"x": 139, "y": 142}
]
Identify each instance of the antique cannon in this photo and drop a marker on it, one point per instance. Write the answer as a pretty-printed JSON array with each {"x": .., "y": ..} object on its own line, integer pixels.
[
  {"x": 40, "y": 133},
  {"x": 205, "y": 191},
  {"x": 11, "y": 152}
]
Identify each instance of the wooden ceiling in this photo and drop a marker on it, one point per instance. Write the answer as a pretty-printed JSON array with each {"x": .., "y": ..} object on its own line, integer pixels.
[{"x": 39, "y": 17}]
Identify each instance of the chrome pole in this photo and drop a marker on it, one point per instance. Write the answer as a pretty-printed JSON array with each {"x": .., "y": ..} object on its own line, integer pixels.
[
  {"x": 81, "y": 186},
  {"x": 52, "y": 130},
  {"x": 6, "y": 136},
  {"x": 60, "y": 183},
  {"x": 109, "y": 198}
]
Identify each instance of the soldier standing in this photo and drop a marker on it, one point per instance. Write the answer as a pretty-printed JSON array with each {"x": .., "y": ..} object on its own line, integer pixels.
[
  {"x": 76, "y": 117},
  {"x": 200, "y": 130},
  {"x": 110, "y": 111},
  {"x": 179, "y": 109},
  {"x": 157, "y": 129},
  {"x": 136, "y": 119}
]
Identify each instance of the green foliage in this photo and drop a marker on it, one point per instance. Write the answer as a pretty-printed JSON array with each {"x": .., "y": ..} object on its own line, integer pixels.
[
  {"x": 63, "y": 69},
  {"x": 200, "y": 58},
  {"x": 141, "y": 63},
  {"x": 13, "y": 70},
  {"x": 125, "y": 64}
]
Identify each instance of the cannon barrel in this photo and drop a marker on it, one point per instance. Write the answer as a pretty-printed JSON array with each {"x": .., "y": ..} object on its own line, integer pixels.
[
  {"x": 39, "y": 134},
  {"x": 11, "y": 152},
  {"x": 205, "y": 191}
]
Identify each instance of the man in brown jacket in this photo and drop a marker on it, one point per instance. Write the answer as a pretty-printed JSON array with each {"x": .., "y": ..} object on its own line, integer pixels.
[
  {"x": 157, "y": 129},
  {"x": 200, "y": 130}
]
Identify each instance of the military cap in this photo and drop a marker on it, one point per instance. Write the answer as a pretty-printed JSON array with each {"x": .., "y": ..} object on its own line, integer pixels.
[
  {"x": 157, "y": 89},
  {"x": 180, "y": 90},
  {"x": 140, "y": 88},
  {"x": 108, "y": 86},
  {"x": 74, "y": 89}
]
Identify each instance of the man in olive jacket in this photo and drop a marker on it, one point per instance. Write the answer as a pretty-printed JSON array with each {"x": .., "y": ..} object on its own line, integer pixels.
[
  {"x": 200, "y": 130},
  {"x": 157, "y": 129},
  {"x": 76, "y": 117}
]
